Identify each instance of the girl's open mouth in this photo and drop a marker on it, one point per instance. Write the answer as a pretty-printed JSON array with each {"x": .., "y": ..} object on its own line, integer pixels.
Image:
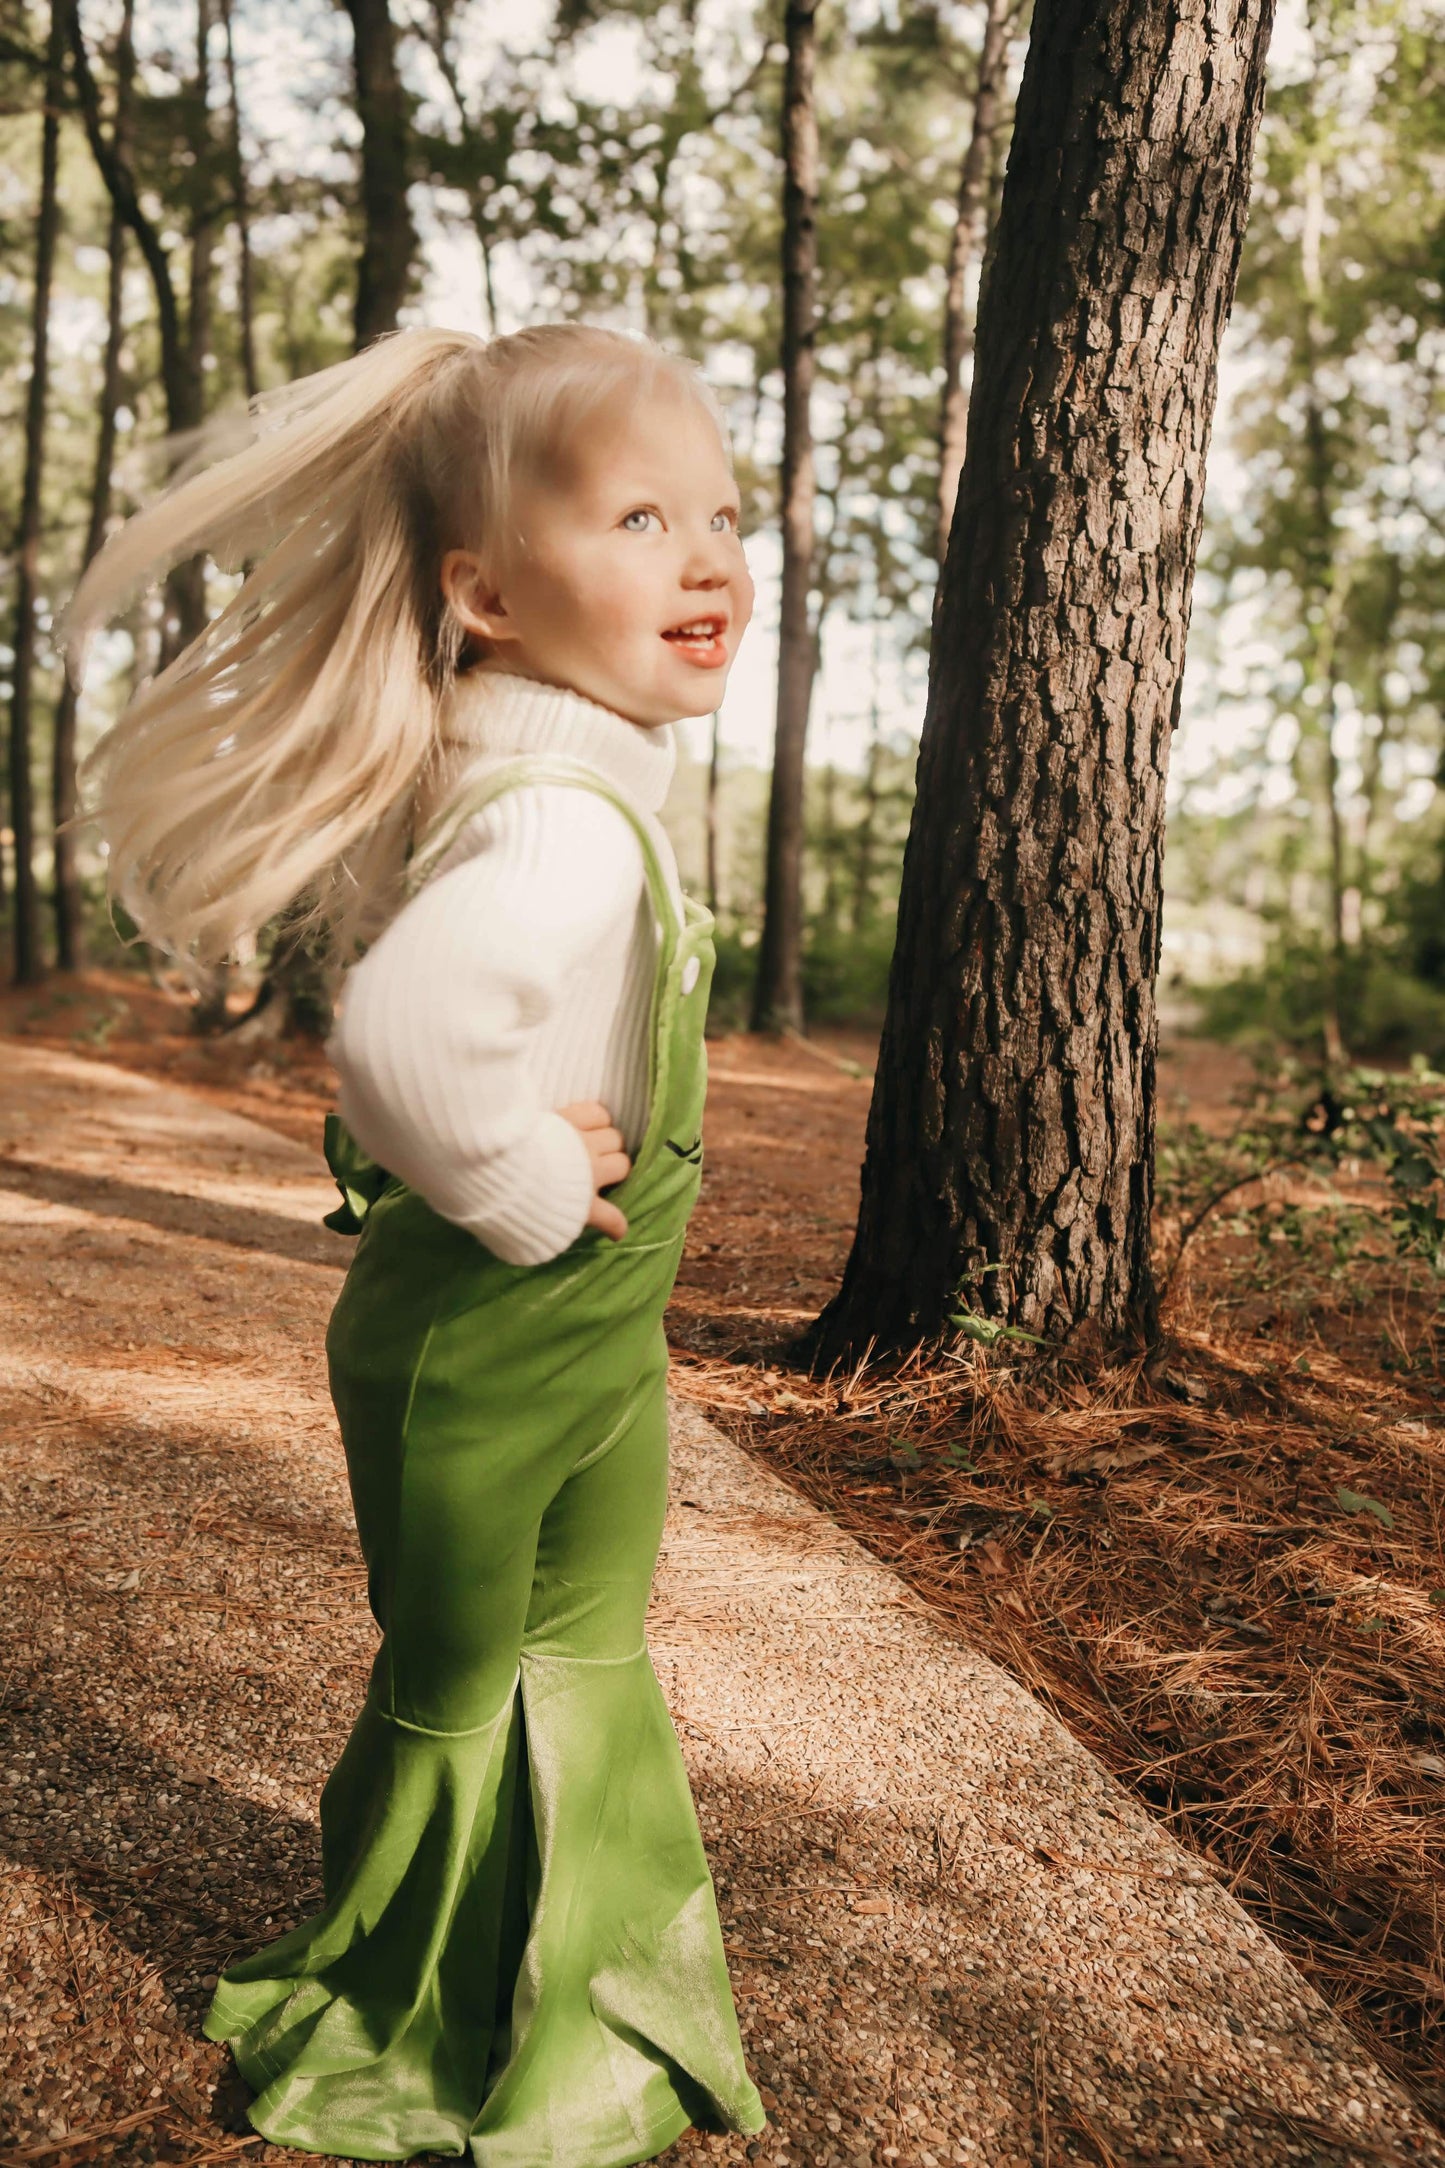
[{"x": 701, "y": 641}]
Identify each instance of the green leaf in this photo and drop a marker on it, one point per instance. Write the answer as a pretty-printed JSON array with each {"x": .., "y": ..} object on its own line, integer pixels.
[
  {"x": 957, "y": 1457},
  {"x": 903, "y": 1454},
  {"x": 1353, "y": 1501},
  {"x": 988, "y": 1331}
]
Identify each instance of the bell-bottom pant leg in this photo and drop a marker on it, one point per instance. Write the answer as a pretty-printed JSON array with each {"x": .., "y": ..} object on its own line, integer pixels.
[
  {"x": 598, "y": 1541},
  {"x": 622, "y": 1981}
]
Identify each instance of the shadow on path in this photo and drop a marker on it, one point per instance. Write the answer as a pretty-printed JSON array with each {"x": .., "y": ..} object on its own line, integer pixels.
[{"x": 244, "y": 1227}]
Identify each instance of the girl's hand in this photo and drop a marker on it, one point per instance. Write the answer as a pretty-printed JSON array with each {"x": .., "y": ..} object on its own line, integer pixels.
[{"x": 609, "y": 1162}]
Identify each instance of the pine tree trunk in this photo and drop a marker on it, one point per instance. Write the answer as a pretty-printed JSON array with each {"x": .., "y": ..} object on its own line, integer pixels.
[
  {"x": 778, "y": 994},
  {"x": 186, "y": 585},
  {"x": 1009, "y": 1166},
  {"x": 388, "y": 242},
  {"x": 965, "y": 250},
  {"x": 832, "y": 850},
  {"x": 67, "y": 898},
  {"x": 439, "y": 37},
  {"x": 865, "y": 838},
  {"x": 1325, "y": 598},
  {"x": 241, "y": 201},
  {"x": 29, "y": 965},
  {"x": 181, "y": 380}
]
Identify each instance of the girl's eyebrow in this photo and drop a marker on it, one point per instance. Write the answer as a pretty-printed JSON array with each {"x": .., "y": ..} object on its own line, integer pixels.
[{"x": 642, "y": 501}]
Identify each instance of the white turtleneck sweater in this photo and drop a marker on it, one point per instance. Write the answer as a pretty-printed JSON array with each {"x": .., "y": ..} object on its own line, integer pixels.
[{"x": 518, "y": 979}]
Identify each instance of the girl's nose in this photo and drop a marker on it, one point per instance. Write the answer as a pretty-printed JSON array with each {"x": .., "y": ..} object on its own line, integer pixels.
[{"x": 707, "y": 565}]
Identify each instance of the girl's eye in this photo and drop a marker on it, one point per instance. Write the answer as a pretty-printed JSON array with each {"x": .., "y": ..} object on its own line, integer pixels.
[
  {"x": 642, "y": 513},
  {"x": 729, "y": 522}
]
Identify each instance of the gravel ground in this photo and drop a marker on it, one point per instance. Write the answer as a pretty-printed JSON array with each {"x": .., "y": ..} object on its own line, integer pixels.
[{"x": 953, "y": 1938}]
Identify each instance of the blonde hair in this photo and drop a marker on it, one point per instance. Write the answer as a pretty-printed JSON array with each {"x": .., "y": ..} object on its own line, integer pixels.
[{"x": 279, "y": 759}]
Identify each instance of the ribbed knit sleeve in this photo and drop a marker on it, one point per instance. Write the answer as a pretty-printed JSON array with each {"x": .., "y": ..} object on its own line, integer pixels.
[{"x": 441, "y": 1023}]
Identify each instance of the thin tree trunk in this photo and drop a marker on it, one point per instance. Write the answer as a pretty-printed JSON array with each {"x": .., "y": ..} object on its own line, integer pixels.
[
  {"x": 1334, "y": 1035},
  {"x": 714, "y": 780},
  {"x": 29, "y": 966},
  {"x": 439, "y": 39},
  {"x": 68, "y": 909},
  {"x": 865, "y": 840},
  {"x": 1009, "y": 1167},
  {"x": 1373, "y": 776},
  {"x": 115, "y": 171},
  {"x": 1325, "y": 601},
  {"x": 965, "y": 250},
  {"x": 778, "y": 995},
  {"x": 180, "y": 380},
  {"x": 832, "y": 868},
  {"x": 388, "y": 241},
  {"x": 1325, "y": 673},
  {"x": 241, "y": 201},
  {"x": 186, "y": 585}
]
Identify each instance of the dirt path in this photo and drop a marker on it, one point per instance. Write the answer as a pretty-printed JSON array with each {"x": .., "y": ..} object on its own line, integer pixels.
[{"x": 953, "y": 1938}]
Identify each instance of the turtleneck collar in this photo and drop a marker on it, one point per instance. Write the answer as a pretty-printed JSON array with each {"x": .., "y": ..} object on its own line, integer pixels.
[{"x": 498, "y": 714}]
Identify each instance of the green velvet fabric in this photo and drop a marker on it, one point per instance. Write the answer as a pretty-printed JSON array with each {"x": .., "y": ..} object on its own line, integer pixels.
[{"x": 519, "y": 1953}]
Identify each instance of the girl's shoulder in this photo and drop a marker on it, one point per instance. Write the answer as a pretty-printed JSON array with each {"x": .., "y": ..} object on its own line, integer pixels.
[{"x": 530, "y": 819}]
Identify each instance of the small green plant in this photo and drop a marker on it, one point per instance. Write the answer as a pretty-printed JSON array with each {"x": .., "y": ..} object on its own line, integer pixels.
[
  {"x": 100, "y": 1029},
  {"x": 1361, "y": 1121},
  {"x": 989, "y": 1331},
  {"x": 1353, "y": 1501}
]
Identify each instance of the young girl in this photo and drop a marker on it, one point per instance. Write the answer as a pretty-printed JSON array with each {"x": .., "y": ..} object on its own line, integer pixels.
[{"x": 491, "y": 576}]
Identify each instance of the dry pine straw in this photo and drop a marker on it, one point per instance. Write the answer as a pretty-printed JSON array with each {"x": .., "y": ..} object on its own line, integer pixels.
[{"x": 1160, "y": 1555}]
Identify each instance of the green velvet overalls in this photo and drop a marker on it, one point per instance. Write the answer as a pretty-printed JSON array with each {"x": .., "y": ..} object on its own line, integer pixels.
[{"x": 519, "y": 1953}]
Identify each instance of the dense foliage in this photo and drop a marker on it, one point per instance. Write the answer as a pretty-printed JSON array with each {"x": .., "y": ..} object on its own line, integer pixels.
[{"x": 622, "y": 162}]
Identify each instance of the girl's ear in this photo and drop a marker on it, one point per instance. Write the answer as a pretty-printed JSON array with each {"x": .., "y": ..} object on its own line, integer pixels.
[{"x": 476, "y": 605}]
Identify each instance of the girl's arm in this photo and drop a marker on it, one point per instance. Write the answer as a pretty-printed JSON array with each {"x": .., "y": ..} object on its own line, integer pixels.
[{"x": 436, "y": 1040}]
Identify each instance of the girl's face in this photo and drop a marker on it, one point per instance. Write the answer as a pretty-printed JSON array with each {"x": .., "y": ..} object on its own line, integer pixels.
[{"x": 627, "y": 581}]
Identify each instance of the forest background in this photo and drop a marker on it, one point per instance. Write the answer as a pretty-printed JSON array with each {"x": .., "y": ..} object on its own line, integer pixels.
[{"x": 622, "y": 163}]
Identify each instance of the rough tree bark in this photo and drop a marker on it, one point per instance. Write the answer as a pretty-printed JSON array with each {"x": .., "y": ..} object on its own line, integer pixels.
[
  {"x": 1009, "y": 1166},
  {"x": 778, "y": 993},
  {"x": 62, "y": 781},
  {"x": 29, "y": 965},
  {"x": 965, "y": 250},
  {"x": 388, "y": 237}
]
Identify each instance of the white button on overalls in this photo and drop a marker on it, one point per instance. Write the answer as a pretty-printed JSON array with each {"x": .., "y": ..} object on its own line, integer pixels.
[{"x": 690, "y": 973}]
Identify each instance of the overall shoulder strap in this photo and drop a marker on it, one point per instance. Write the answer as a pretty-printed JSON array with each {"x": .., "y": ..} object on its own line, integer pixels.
[{"x": 531, "y": 768}]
